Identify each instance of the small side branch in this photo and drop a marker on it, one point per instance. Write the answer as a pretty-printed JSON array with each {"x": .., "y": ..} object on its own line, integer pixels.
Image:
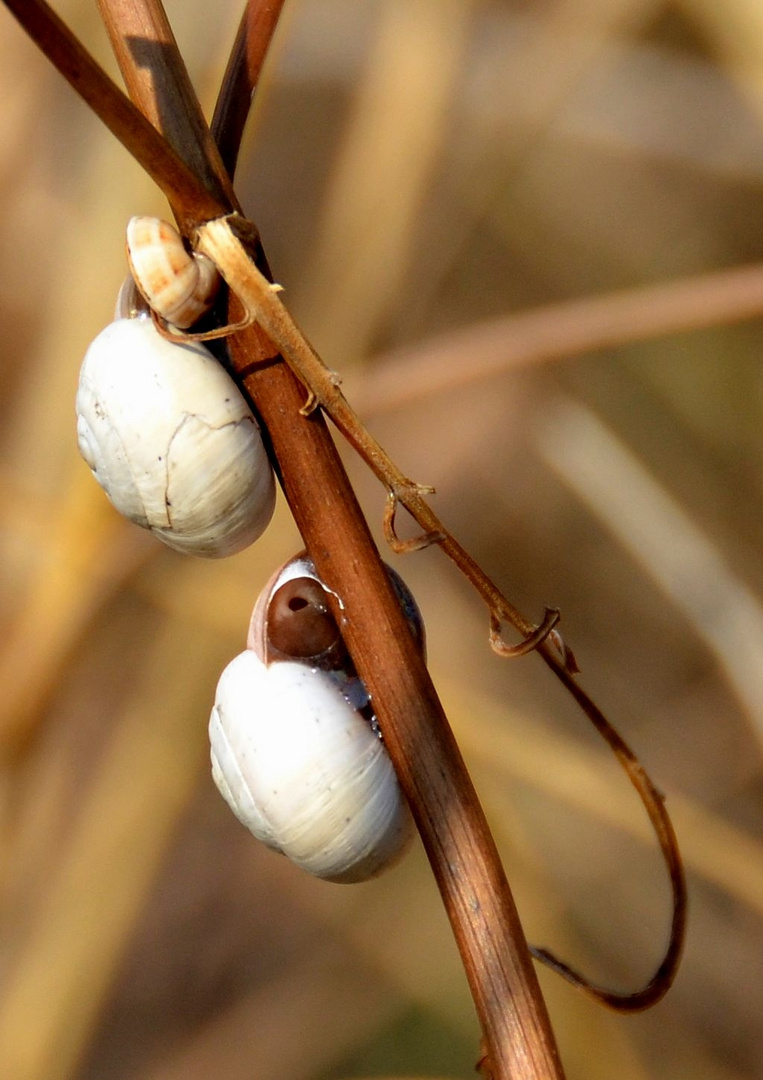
[
  {"x": 531, "y": 642},
  {"x": 415, "y": 543},
  {"x": 255, "y": 31},
  {"x": 224, "y": 241}
]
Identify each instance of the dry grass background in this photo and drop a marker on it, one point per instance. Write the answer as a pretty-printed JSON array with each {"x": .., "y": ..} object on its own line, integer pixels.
[{"x": 415, "y": 166}]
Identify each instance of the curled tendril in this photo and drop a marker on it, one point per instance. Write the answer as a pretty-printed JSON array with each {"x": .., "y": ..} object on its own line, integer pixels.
[
  {"x": 530, "y": 642},
  {"x": 225, "y": 241},
  {"x": 416, "y": 543}
]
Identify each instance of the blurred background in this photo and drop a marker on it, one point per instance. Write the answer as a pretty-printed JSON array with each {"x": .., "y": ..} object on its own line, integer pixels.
[{"x": 424, "y": 174}]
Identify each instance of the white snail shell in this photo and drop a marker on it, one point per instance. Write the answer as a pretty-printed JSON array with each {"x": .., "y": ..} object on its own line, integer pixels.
[
  {"x": 172, "y": 441},
  {"x": 179, "y": 285},
  {"x": 295, "y": 752},
  {"x": 304, "y": 771}
]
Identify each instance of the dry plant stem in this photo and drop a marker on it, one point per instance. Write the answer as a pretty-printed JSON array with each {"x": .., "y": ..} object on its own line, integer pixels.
[
  {"x": 224, "y": 242},
  {"x": 431, "y": 771},
  {"x": 450, "y": 819},
  {"x": 180, "y": 184},
  {"x": 255, "y": 31},
  {"x": 153, "y": 70},
  {"x": 163, "y": 92}
]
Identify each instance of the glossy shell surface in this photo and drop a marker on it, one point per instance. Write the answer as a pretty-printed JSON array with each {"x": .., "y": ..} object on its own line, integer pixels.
[
  {"x": 171, "y": 440},
  {"x": 304, "y": 771},
  {"x": 302, "y": 565}
]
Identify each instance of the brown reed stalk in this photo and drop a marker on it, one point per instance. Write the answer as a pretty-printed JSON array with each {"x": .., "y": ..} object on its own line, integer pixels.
[
  {"x": 465, "y": 862},
  {"x": 255, "y": 32},
  {"x": 429, "y": 765}
]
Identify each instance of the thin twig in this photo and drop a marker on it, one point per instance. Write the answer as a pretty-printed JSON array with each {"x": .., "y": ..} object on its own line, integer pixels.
[
  {"x": 641, "y": 513},
  {"x": 221, "y": 240},
  {"x": 180, "y": 184},
  {"x": 255, "y": 32},
  {"x": 154, "y": 71}
]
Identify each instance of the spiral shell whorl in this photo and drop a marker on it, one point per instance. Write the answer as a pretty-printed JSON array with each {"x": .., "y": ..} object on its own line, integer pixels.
[
  {"x": 178, "y": 285},
  {"x": 304, "y": 771}
]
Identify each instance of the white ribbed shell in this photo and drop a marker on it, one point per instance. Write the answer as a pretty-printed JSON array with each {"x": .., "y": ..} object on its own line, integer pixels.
[
  {"x": 304, "y": 771},
  {"x": 172, "y": 441}
]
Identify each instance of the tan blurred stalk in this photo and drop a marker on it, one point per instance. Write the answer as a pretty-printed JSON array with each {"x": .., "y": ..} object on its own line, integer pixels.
[
  {"x": 580, "y": 778},
  {"x": 55, "y": 990},
  {"x": 86, "y": 554},
  {"x": 389, "y": 154},
  {"x": 736, "y": 28},
  {"x": 282, "y": 1029},
  {"x": 648, "y": 522}
]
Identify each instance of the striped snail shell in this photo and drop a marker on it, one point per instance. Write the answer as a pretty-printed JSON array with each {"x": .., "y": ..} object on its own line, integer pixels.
[
  {"x": 172, "y": 441},
  {"x": 295, "y": 749},
  {"x": 179, "y": 285}
]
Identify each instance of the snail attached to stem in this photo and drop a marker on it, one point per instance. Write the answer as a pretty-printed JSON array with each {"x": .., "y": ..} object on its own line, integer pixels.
[
  {"x": 166, "y": 431},
  {"x": 296, "y": 751}
]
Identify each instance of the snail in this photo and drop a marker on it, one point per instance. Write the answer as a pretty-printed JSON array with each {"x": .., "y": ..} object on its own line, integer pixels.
[
  {"x": 171, "y": 440},
  {"x": 178, "y": 285},
  {"x": 296, "y": 752}
]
